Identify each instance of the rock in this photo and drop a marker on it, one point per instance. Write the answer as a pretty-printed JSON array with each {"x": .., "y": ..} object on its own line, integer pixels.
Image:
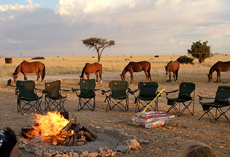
[
  {"x": 75, "y": 154},
  {"x": 84, "y": 154},
  {"x": 93, "y": 154},
  {"x": 38, "y": 153},
  {"x": 142, "y": 141},
  {"x": 133, "y": 144},
  {"x": 122, "y": 148},
  {"x": 47, "y": 154}
]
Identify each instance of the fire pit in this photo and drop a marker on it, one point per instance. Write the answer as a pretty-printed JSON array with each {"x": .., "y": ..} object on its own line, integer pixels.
[
  {"x": 58, "y": 136},
  {"x": 55, "y": 129}
]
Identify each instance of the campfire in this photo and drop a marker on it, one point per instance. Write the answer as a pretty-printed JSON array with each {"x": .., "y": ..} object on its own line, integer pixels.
[{"x": 57, "y": 130}]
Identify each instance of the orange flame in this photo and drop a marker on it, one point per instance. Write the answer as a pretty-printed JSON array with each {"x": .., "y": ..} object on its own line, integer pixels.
[{"x": 50, "y": 126}]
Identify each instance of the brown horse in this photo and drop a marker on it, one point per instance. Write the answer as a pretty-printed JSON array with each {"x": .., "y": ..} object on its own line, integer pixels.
[
  {"x": 172, "y": 66},
  {"x": 92, "y": 68},
  {"x": 137, "y": 67},
  {"x": 218, "y": 67},
  {"x": 30, "y": 67}
]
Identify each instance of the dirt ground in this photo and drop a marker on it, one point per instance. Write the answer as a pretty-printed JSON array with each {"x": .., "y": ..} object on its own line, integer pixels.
[{"x": 168, "y": 140}]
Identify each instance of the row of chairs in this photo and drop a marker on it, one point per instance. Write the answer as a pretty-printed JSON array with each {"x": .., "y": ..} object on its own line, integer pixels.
[
  {"x": 118, "y": 96},
  {"x": 27, "y": 97}
]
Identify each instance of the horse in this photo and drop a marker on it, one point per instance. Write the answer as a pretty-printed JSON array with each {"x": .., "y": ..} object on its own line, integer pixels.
[
  {"x": 30, "y": 67},
  {"x": 92, "y": 68},
  {"x": 218, "y": 67},
  {"x": 137, "y": 67},
  {"x": 172, "y": 66}
]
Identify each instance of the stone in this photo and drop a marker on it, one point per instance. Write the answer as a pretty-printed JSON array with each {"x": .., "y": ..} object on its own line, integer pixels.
[
  {"x": 122, "y": 148},
  {"x": 133, "y": 144},
  {"x": 38, "y": 153}
]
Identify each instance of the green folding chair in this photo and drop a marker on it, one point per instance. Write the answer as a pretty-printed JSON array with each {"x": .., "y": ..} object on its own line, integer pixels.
[
  {"x": 27, "y": 97},
  {"x": 147, "y": 92},
  {"x": 186, "y": 90},
  {"x": 54, "y": 100},
  {"x": 86, "y": 94},
  {"x": 221, "y": 104},
  {"x": 117, "y": 96}
]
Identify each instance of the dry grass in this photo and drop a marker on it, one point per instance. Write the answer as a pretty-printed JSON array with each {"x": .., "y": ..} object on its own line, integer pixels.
[{"x": 74, "y": 65}]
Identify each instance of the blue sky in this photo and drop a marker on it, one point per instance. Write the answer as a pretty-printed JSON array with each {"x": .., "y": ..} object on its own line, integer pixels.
[{"x": 139, "y": 27}]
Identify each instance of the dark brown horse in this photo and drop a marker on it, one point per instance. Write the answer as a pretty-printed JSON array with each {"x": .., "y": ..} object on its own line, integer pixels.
[
  {"x": 172, "y": 66},
  {"x": 218, "y": 67},
  {"x": 137, "y": 67},
  {"x": 30, "y": 67},
  {"x": 92, "y": 68}
]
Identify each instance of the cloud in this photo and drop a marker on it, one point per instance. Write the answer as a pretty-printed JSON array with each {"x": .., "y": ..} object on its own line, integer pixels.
[{"x": 135, "y": 25}]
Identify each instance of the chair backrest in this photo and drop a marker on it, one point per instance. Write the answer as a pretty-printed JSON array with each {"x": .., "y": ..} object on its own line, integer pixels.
[
  {"x": 186, "y": 88},
  {"x": 118, "y": 88},
  {"x": 148, "y": 89},
  {"x": 222, "y": 94},
  {"x": 53, "y": 88},
  {"x": 26, "y": 89},
  {"x": 87, "y": 87}
]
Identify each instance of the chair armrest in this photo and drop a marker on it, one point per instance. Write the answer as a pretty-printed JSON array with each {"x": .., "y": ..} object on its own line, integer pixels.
[
  {"x": 103, "y": 92},
  {"x": 65, "y": 90},
  {"x": 74, "y": 89},
  {"x": 172, "y": 91},
  {"x": 45, "y": 91},
  {"x": 224, "y": 101},
  {"x": 201, "y": 98}
]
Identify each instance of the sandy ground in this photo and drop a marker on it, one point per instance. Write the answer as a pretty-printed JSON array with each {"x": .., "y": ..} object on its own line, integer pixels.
[{"x": 168, "y": 140}]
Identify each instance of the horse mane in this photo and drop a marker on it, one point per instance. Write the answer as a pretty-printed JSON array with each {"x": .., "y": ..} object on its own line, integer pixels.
[
  {"x": 212, "y": 68},
  {"x": 18, "y": 68},
  {"x": 83, "y": 70}
]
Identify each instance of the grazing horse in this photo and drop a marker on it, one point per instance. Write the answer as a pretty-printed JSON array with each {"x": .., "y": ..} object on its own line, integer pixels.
[
  {"x": 218, "y": 67},
  {"x": 30, "y": 67},
  {"x": 172, "y": 66},
  {"x": 92, "y": 68},
  {"x": 137, "y": 67}
]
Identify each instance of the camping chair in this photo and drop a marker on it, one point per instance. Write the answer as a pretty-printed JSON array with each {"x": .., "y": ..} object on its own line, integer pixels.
[
  {"x": 54, "y": 100},
  {"x": 117, "y": 95},
  {"x": 26, "y": 97},
  {"x": 221, "y": 103},
  {"x": 184, "y": 97},
  {"x": 86, "y": 94},
  {"x": 147, "y": 92}
]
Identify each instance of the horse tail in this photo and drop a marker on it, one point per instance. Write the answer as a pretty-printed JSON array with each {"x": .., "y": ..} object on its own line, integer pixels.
[
  {"x": 43, "y": 72},
  {"x": 149, "y": 75}
]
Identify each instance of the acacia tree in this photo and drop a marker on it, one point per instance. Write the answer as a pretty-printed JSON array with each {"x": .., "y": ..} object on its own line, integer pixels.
[
  {"x": 98, "y": 44},
  {"x": 200, "y": 51}
]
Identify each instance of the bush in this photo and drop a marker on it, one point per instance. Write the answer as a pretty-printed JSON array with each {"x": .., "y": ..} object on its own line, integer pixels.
[
  {"x": 185, "y": 59},
  {"x": 37, "y": 58}
]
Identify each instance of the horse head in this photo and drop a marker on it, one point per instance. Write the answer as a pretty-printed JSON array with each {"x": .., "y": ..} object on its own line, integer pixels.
[
  {"x": 82, "y": 77},
  {"x": 209, "y": 77},
  {"x": 122, "y": 77},
  {"x": 15, "y": 76}
]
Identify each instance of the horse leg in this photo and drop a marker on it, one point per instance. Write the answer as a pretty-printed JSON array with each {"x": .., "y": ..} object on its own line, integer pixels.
[
  {"x": 146, "y": 75},
  {"x": 170, "y": 76},
  {"x": 96, "y": 76},
  {"x": 132, "y": 78},
  {"x": 25, "y": 76},
  {"x": 218, "y": 77},
  {"x": 88, "y": 76},
  {"x": 177, "y": 75},
  {"x": 100, "y": 74},
  {"x": 38, "y": 75}
]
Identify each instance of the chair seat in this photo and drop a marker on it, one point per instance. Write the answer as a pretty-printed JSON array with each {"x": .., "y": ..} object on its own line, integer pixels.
[{"x": 86, "y": 94}]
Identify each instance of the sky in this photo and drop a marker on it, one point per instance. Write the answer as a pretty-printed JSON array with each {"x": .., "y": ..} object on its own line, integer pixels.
[{"x": 138, "y": 27}]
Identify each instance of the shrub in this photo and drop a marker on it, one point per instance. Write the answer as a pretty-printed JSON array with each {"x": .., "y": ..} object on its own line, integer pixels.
[
  {"x": 37, "y": 58},
  {"x": 185, "y": 59}
]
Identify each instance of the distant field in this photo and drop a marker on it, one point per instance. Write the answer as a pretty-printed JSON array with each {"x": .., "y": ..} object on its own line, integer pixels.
[{"x": 74, "y": 65}]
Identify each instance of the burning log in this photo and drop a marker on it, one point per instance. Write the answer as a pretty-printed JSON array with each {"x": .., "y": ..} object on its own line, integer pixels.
[{"x": 71, "y": 134}]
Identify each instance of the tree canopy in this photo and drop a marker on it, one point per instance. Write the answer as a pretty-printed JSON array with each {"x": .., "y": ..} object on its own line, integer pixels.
[
  {"x": 200, "y": 51},
  {"x": 98, "y": 44}
]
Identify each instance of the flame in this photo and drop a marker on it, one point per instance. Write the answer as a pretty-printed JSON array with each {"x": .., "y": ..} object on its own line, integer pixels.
[{"x": 50, "y": 126}]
